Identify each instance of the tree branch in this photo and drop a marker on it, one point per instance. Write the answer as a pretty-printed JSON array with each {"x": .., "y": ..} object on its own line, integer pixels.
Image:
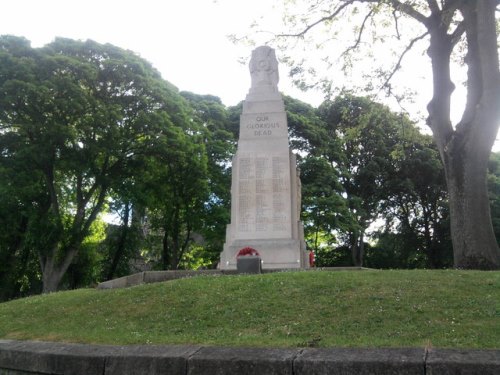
[
  {"x": 360, "y": 34},
  {"x": 54, "y": 200},
  {"x": 434, "y": 7},
  {"x": 457, "y": 33},
  {"x": 410, "y": 11},
  {"x": 397, "y": 5},
  {"x": 449, "y": 8},
  {"x": 321, "y": 20},
  {"x": 398, "y": 64},
  {"x": 396, "y": 23}
]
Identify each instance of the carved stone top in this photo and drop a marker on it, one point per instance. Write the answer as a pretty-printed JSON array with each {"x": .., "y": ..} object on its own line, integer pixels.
[
  {"x": 264, "y": 67},
  {"x": 263, "y": 96}
]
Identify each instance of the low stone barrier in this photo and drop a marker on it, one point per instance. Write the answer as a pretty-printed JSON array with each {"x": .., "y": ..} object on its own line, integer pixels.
[
  {"x": 27, "y": 357},
  {"x": 160, "y": 276},
  {"x": 147, "y": 277}
]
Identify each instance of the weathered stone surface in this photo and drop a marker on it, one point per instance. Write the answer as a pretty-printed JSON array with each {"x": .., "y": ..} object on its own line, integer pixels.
[
  {"x": 56, "y": 358},
  {"x": 249, "y": 264},
  {"x": 14, "y": 372},
  {"x": 21, "y": 358},
  {"x": 123, "y": 282},
  {"x": 138, "y": 360},
  {"x": 265, "y": 187},
  {"x": 463, "y": 362},
  {"x": 153, "y": 277},
  {"x": 360, "y": 362},
  {"x": 158, "y": 276},
  {"x": 52, "y": 358},
  {"x": 242, "y": 361}
]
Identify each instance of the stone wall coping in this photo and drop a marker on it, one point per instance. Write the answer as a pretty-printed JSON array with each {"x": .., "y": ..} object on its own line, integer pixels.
[
  {"x": 35, "y": 357},
  {"x": 147, "y": 277}
]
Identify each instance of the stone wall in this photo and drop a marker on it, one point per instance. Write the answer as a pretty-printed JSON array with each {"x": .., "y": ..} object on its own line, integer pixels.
[
  {"x": 148, "y": 277},
  {"x": 18, "y": 357}
]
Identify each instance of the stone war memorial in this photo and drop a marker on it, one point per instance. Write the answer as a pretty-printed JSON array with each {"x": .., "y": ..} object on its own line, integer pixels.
[{"x": 265, "y": 188}]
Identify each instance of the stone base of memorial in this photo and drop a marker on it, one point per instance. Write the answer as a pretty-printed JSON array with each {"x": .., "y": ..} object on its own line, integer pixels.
[{"x": 249, "y": 264}]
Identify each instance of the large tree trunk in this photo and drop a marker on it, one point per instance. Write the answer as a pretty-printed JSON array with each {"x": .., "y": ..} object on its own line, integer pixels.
[
  {"x": 51, "y": 281},
  {"x": 165, "y": 253},
  {"x": 51, "y": 277},
  {"x": 358, "y": 248},
  {"x": 474, "y": 243},
  {"x": 465, "y": 150},
  {"x": 53, "y": 271},
  {"x": 122, "y": 242}
]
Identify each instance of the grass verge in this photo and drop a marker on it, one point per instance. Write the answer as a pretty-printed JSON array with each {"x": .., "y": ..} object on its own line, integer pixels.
[{"x": 459, "y": 309}]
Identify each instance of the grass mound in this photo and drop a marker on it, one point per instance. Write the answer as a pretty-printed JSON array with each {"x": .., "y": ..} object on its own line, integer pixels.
[{"x": 458, "y": 309}]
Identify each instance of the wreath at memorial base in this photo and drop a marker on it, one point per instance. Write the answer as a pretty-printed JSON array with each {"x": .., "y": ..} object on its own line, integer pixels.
[{"x": 247, "y": 251}]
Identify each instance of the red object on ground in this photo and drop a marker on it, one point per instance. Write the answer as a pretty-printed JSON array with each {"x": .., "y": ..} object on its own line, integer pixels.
[
  {"x": 311, "y": 258},
  {"x": 247, "y": 251}
]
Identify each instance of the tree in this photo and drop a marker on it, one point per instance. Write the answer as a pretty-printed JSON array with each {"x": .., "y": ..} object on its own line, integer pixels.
[
  {"x": 305, "y": 126},
  {"x": 220, "y": 145},
  {"x": 325, "y": 211},
  {"x": 14, "y": 225},
  {"x": 177, "y": 185},
  {"x": 78, "y": 116},
  {"x": 494, "y": 191},
  {"x": 454, "y": 29},
  {"x": 123, "y": 242},
  {"x": 360, "y": 138},
  {"x": 416, "y": 209}
]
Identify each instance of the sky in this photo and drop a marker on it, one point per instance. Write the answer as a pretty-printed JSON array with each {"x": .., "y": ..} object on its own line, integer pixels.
[{"x": 187, "y": 41}]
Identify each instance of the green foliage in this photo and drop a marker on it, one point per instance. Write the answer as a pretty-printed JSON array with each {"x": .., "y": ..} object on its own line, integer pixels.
[
  {"x": 85, "y": 270},
  {"x": 454, "y": 309},
  {"x": 324, "y": 208},
  {"x": 494, "y": 192},
  {"x": 178, "y": 191},
  {"x": 197, "y": 257},
  {"x": 220, "y": 144},
  {"x": 331, "y": 256},
  {"x": 395, "y": 250},
  {"x": 360, "y": 162},
  {"x": 83, "y": 119},
  {"x": 304, "y": 125},
  {"x": 416, "y": 208}
]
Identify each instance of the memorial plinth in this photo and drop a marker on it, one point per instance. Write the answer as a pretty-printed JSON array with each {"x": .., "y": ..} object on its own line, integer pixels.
[{"x": 265, "y": 189}]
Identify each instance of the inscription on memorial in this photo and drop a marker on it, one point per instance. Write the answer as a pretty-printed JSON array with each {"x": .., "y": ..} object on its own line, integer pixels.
[
  {"x": 263, "y": 192},
  {"x": 263, "y": 126},
  {"x": 246, "y": 168}
]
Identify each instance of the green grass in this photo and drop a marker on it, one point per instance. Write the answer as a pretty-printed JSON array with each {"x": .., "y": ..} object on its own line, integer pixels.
[{"x": 459, "y": 309}]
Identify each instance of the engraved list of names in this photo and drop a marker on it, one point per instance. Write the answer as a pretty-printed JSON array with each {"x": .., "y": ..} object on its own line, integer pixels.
[{"x": 263, "y": 196}]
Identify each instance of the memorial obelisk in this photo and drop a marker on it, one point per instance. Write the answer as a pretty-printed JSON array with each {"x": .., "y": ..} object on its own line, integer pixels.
[{"x": 265, "y": 188}]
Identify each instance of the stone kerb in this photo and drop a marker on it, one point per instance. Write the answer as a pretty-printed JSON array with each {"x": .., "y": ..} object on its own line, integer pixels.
[
  {"x": 360, "y": 361},
  {"x": 462, "y": 362},
  {"x": 241, "y": 361},
  {"x": 17, "y": 357}
]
